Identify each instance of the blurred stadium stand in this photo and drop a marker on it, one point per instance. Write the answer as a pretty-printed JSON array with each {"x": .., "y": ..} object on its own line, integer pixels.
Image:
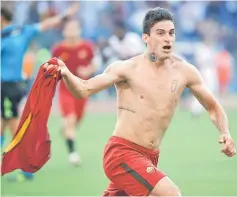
[
  {"x": 205, "y": 32},
  {"x": 214, "y": 22}
]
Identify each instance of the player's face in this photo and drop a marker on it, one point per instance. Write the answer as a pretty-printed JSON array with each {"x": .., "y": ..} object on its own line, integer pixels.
[
  {"x": 161, "y": 39},
  {"x": 71, "y": 30}
]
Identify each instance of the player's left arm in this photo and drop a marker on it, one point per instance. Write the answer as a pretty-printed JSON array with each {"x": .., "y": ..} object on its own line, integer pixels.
[{"x": 217, "y": 114}]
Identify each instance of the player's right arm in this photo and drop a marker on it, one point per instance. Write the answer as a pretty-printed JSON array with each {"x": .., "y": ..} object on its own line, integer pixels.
[
  {"x": 33, "y": 30},
  {"x": 80, "y": 88},
  {"x": 56, "y": 20}
]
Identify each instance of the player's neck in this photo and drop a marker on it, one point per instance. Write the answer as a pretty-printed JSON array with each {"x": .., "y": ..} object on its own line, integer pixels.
[
  {"x": 72, "y": 41},
  {"x": 153, "y": 58}
]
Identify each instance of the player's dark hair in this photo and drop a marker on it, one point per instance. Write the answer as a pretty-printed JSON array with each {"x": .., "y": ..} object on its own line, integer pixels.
[
  {"x": 7, "y": 14},
  {"x": 155, "y": 15}
]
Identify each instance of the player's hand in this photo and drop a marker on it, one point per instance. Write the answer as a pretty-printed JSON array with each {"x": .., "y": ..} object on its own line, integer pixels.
[
  {"x": 228, "y": 145},
  {"x": 73, "y": 9},
  {"x": 59, "y": 64}
]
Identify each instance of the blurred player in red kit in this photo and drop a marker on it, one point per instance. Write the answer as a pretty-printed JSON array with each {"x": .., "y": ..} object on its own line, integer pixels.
[{"x": 78, "y": 55}]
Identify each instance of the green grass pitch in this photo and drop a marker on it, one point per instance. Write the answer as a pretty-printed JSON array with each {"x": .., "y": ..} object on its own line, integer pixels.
[{"x": 190, "y": 155}]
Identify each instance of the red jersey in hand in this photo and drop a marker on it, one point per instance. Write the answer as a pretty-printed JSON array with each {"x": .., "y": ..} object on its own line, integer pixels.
[{"x": 29, "y": 149}]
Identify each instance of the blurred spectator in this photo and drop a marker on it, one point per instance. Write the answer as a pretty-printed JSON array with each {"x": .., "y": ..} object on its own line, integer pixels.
[
  {"x": 223, "y": 62},
  {"x": 193, "y": 20},
  {"x": 125, "y": 43},
  {"x": 205, "y": 54}
]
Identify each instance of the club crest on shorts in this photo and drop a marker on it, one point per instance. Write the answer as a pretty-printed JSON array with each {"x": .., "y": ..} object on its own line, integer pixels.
[{"x": 150, "y": 169}]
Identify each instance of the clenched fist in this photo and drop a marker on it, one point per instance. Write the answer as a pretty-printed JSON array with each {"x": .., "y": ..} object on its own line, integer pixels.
[
  {"x": 228, "y": 145},
  {"x": 59, "y": 64}
]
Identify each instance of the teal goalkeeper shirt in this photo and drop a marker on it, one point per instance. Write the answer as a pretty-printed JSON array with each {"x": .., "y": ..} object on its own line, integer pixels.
[{"x": 15, "y": 41}]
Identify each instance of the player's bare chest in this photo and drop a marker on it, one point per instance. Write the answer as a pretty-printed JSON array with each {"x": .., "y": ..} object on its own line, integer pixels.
[{"x": 163, "y": 81}]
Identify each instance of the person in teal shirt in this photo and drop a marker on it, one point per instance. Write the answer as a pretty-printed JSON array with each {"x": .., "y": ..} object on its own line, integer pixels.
[{"x": 15, "y": 42}]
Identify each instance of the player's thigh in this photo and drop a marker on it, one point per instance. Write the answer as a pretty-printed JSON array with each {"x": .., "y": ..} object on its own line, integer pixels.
[
  {"x": 10, "y": 104},
  {"x": 70, "y": 120},
  {"x": 113, "y": 190},
  {"x": 6, "y": 103},
  {"x": 66, "y": 103},
  {"x": 13, "y": 125},
  {"x": 137, "y": 176},
  {"x": 80, "y": 107},
  {"x": 165, "y": 187},
  {"x": 4, "y": 123},
  {"x": 13, "y": 121}
]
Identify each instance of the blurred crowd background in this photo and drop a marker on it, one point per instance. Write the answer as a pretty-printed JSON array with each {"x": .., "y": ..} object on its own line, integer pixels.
[
  {"x": 205, "y": 36},
  {"x": 205, "y": 33}
]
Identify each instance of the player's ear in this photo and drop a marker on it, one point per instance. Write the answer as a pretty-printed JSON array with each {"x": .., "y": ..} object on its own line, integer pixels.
[{"x": 145, "y": 38}]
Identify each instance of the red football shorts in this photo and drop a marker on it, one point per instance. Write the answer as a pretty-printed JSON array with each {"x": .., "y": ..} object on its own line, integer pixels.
[
  {"x": 71, "y": 105},
  {"x": 132, "y": 169}
]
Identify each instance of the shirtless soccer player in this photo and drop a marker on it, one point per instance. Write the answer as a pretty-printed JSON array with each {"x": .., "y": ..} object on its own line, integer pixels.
[{"x": 148, "y": 87}]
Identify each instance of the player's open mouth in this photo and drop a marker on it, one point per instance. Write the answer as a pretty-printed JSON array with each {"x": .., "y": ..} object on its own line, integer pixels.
[{"x": 167, "y": 48}]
